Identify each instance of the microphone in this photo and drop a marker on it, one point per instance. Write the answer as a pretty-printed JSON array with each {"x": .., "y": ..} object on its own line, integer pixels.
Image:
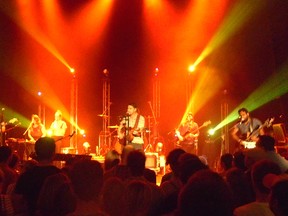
[{"x": 241, "y": 121}]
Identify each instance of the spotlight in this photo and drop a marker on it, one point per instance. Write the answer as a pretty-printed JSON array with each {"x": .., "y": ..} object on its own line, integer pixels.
[
  {"x": 49, "y": 133},
  {"x": 156, "y": 71},
  {"x": 106, "y": 72},
  {"x": 211, "y": 132},
  {"x": 191, "y": 68}
]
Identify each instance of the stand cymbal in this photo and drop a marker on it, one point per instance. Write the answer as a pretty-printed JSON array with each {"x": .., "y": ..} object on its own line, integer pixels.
[{"x": 113, "y": 126}]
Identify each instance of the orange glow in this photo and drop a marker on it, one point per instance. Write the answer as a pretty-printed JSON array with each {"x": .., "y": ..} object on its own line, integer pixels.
[
  {"x": 26, "y": 21},
  {"x": 91, "y": 21},
  {"x": 187, "y": 32}
]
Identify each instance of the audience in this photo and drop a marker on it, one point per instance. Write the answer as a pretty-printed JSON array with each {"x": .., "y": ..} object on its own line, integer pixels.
[
  {"x": 239, "y": 160},
  {"x": 226, "y": 162},
  {"x": 10, "y": 176},
  {"x": 188, "y": 164},
  {"x": 56, "y": 196},
  {"x": 138, "y": 199},
  {"x": 240, "y": 186},
  {"x": 87, "y": 181},
  {"x": 260, "y": 206},
  {"x": 121, "y": 170},
  {"x": 112, "y": 158},
  {"x": 205, "y": 194},
  {"x": 123, "y": 186},
  {"x": 112, "y": 201},
  {"x": 172, "y": 161},
  {"x": 278, "y": 196},
  {"x": 30, "y": 182},
  {"x": 136, "y": 163},
  {"x": 265, "y": 149}
]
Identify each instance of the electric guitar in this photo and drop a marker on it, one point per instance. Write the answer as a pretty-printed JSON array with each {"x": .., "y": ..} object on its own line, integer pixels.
[
  {"x": 250, "y": 142},
  {"x": 189, "y": 134}
]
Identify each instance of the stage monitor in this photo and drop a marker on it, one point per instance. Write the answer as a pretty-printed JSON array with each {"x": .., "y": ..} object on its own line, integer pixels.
[{"x": 279, "y": 133}]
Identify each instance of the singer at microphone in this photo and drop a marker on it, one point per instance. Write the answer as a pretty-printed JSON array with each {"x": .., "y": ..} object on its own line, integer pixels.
[{"x": 132, "y": 127}]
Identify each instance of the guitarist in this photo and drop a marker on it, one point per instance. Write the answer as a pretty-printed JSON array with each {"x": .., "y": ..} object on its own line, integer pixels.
[
  {"x": 187, "y": 135},
  {"x": 131, "y": 128},
  {"x": 247, "y": 129}
]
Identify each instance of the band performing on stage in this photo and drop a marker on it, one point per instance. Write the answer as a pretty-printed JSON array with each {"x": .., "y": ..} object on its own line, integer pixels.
[{"x": 132, "y": 130}]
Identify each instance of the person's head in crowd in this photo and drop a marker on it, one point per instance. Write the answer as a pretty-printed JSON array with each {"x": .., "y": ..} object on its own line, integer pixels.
[
  {"x": 240, "y": 186},
  {"x": 137, "y": 198},
  {"x": 206, "y": 193},
  {"x": 87, "y": 179},
  {"x": 125, "y": 152},
  {"x": 136, "y": 162},
  {"x": 14, "y": 161},
  {"x": 56, "y": 196},
  {"x": 112, "y": 196},
  {"x": 5, "y": 154},
  {"x": 188, "y": 165},
  {"x": 45, "y": 149},
  {"x": 278, "y": 198},
  {"x": 112, "y": 158},
  {"x": 266, "y": 142},
  {"x": 259, "y": 170},
  {"x": 226, "y": 161},
  {"x": 172, "y": 159},
  {"x": 239, "y": 160}
]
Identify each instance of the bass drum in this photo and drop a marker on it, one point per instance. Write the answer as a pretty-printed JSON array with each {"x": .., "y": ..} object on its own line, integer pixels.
[{"x": 116, "y": 144}]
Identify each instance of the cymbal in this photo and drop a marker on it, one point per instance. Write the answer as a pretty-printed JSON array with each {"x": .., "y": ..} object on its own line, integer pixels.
[
  {"x": 113, "y": 126},
  {"x": 102, "y": 115}
]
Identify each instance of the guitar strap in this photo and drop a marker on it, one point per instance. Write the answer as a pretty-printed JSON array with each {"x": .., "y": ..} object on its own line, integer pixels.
[
  {"x": 137, "y": 122},
  {"x": 251, "y": 125}
]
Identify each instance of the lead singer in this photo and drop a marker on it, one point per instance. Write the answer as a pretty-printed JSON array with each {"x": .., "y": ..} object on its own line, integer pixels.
[{"x": 131, "y": 128}]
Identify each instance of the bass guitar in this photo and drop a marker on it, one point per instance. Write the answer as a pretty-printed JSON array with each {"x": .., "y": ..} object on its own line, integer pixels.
[{"x": 250, "y": 142}]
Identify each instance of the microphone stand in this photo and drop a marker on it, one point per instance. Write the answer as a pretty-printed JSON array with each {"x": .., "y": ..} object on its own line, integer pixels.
[
  {"x": 155, "y": 134},
  {"x": 64, "y": 137},
  {"x": 127, "y": 118}
]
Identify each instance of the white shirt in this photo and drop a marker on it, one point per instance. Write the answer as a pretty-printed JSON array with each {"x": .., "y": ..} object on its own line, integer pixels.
[{"x": 58, "y": 128}]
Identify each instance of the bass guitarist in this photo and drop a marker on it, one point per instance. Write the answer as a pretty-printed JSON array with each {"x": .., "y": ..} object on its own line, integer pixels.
[
  {"x": 131, "y": 128},
  {"x": 246, "y": 130},
  {"x": 187, "y": 135}
]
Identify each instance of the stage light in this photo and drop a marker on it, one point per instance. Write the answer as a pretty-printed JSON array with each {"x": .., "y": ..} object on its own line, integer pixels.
[
  {"x": 211, "y": 132},
  {"x": 191, "y": 68},
  {"x": 49, "y": 133},
  {"x": 39, "y": 93}
]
